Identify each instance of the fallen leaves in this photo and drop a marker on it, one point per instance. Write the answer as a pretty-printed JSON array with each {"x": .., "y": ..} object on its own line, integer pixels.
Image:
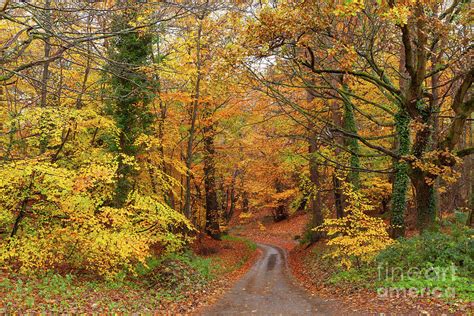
[{"x": 230, "y": 260}]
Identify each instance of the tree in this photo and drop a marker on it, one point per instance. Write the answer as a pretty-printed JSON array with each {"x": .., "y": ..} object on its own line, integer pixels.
[
  {"x": 353, "y": 40},
  {"x": 131, "y": 92},
  {"x": 62, "y": 204}
]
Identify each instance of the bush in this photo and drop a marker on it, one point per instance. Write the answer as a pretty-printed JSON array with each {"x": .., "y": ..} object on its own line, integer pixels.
[
  {"x": 434, "y": 249},
  {"x": 357, "y": 237},
  {"x": 65, "y": 223},
  {"x": 441, "y": 259}
]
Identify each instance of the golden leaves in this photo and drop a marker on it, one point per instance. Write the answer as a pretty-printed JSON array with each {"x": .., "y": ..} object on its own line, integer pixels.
[
  {"x": 398, "y": 14},
  {"x": 436, "y": 163},
  {"x": 349, "y": 8},
  {"x": 66, "y": 221},
  {"x": 357, "y": 235}
]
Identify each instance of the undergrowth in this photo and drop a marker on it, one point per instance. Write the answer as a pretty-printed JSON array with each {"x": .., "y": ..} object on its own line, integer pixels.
[
  {"x": 437, "y": 263},
  {"x": 158, "y": 282},
  {"x": 170, "y": 278},
  {"x": 250, "y": 244},
  {"x": 441, "y": 261}
]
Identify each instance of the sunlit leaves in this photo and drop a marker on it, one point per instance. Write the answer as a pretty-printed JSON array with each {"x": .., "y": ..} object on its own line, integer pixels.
[
  {"x": 357, "y": 237},
  {"x": 65, "y": 222},
  {"x": 350, "y": 7}
]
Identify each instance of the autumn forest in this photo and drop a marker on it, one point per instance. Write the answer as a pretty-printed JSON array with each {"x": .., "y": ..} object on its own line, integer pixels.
[{"x": 208, "y": 157}]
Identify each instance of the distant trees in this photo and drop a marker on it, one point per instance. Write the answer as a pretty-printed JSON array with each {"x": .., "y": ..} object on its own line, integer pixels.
[{"x": 348, "y": 56}]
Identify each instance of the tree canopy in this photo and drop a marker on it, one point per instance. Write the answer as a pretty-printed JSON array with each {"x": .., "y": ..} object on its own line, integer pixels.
[{"x": 127, "y": 127}]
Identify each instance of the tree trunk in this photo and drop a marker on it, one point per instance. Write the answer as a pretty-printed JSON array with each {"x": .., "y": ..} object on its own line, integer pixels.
[
  {"x": 279, "y": 213},
  {"x": 232, "y": 199},
  {"x": 315, "y": 202},
  {"x": 47, "y": 53},
  {"x": 245, "y": 202},
  {"x": 470, "y": 189},
  {"x": 130, "y": 101},
  {"x": 88, "y": 67},
  {"x": 23, "y": 206},
  {"x": 163, "y": 112},
  {"x": 44, "y": 139},
  {"x": 351, "y": 143},
  {"x": 415, "y": 63},
  {"x": 124, "y": 172},
  {"x": 401, "y": 179},
  {"x": 426, "y": 205},
  {"x": 194, "y": 109},
  {"x": 425, "y": 201},
  {"x": 338, "y": 121},
  {"x": 212, "y": 205},
  {"x": 435, "y": 104},
  {"x": 315, "y": 196},
  {"x": 338, "y": 196}
]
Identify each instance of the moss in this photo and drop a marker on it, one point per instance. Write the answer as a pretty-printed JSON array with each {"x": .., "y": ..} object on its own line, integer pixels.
[
  {"x": 401, "y": 181},
  {"x": 131, "y": 92},
  {"x": 351, "y": 143}
]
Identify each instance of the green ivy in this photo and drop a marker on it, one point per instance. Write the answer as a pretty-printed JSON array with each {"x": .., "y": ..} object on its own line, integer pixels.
[
  {"x": 132, "y": 92},
  {"x": 401, "y": 181},
  {"x": 351, "y": 143}
]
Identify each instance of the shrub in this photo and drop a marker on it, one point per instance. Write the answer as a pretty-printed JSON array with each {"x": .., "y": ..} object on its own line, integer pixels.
[
  {"x": 356, "y": 238},
  {"x": 65, "y": 224},
  {"x": 348, "y": 277},
  {"x": 442, "y": 259},
  {"x": 454, "y": 247}
]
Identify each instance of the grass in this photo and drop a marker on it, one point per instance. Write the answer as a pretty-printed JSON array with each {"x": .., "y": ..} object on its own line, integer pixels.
[{"x": 250, "y": 244}]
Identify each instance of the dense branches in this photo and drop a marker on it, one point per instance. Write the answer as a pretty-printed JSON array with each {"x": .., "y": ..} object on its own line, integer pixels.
[{"x": 126, "y": 128}]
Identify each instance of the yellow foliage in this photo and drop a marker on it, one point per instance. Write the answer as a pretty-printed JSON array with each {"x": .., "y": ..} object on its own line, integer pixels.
[
  {"x": 437, "y": 163},
  {"x": 280, "y": 196},
  {"x": 350, "y": 8},
  {"x": 377, "y": 190},
  {"x": 245, "y": 215},
  {"x": 66, "y": 223},
  {"x": 398, "y": 14},
  {"x": 356, "y": 237}
]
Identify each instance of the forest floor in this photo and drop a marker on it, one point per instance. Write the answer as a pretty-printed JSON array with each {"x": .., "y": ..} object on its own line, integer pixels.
[
  {"x": 317, "y": 278},
  {"x": 232, "y": 276},
  {"x": 180, "y": 285}
]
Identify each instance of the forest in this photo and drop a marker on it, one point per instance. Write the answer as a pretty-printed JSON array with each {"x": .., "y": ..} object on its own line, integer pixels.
[{"x": 209, "y": 157}]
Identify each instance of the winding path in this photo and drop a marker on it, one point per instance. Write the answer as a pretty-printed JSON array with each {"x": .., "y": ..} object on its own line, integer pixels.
[{"x": 267, "y": 289}]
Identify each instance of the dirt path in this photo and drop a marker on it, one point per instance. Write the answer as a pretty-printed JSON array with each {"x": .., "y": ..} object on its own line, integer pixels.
[{"x": 267, "y": 289}]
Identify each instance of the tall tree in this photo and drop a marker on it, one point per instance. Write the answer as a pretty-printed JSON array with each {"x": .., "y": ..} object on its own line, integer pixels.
[
  {"x": 352, "y": 39},
  {"x": 131, "y": 93}
]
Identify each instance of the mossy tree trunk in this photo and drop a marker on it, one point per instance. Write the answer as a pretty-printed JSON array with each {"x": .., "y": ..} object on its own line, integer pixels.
[
  {"x": 401, "y": 180},
  {"x": 339, "y": 141},
  {"x": 351, "y": 143},
  {"x": 131, "y": 96}
]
